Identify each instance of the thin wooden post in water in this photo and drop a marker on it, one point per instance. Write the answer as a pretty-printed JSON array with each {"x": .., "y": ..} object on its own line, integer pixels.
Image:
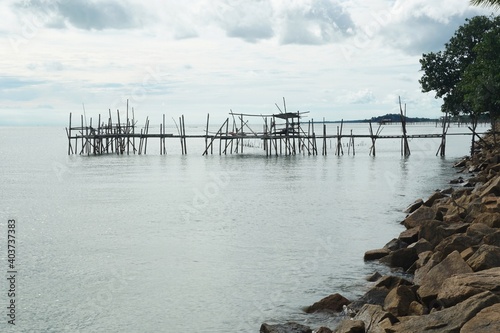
[
  {"x": 206, "y": 132},
  {"x": 324, "y": 139},
  {"x": 372, "y": 148},
  {"x": 405, "y": 147},
  {"x": 68, "y": 132},
  {"x": 442, "y": 147},
  {"x": 184, "y": 134},
  {"x": 339, "y": 151},
  {"x": 351, "y": 144},
  {"x": 164, "y": 134},
  {"x": 146, "y": 131}
]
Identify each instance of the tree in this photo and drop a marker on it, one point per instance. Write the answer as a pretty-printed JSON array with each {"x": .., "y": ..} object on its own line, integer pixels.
[
  {"x": 480, "y": 83},
  {"x": 444, "y": 70},
  {"x": 492, "y": 3}
]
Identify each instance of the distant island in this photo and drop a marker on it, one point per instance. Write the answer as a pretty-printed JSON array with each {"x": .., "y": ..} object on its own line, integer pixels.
[{"x": 386, "y": 119}]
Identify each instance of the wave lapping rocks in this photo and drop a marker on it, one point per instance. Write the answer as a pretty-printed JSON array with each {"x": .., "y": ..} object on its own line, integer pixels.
[{"x": 446, "y": 264}]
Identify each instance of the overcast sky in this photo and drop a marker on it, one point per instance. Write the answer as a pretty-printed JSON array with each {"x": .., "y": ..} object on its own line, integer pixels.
[{"x": 338, "y": 59}]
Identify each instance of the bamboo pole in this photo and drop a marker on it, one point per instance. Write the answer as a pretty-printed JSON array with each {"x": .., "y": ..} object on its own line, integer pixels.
[
  {"x": 184, "y": 134},
  {"x": 206, "y": 132},
  {"x": 372, "y": 148},
  {"x": 68, "y": 132},
  {"x": 324, "y": 139},
  {"x": 146, "y": 136}
]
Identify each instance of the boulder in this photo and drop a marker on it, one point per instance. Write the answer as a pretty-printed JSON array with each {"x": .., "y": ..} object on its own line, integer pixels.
[
  {"x": 414, "y": 206},
  {"x": 486, "y": 256},
  {"x": 332, "y": 303},
  {"x": 416, "y": 309},
  {"x": 423, "y": 213},
  {"x": 391, "y": 281},
  {"x": 456, "y": 242},
  {"x": 420, "y": 246},
  {"x": 448, "y": 320},
  {"x": 395, "y": 244},
  {"x": 398, "y": 301},
  {"x": 372, "y": 315},
  {"x": 448, "y": 191},
  {"x": 324, "y": 330},
  {"x": 374, "y": 296},
  {"x": 426, "y": 261},
  {"x": 431, "y": 283},
  {"x": 458, "y": 180},
  {"x": 467, "y": 253},
  {"x": 432, "y": 231},
  {"x": 461, "y": 163},
  {"x": 432, "y": 199},
  {"x": 492, "y": 239},
  {"x": 474, "y": 208},
  {"x": 486, "y": 321},
  {"x": 495, "y": 167},
  {"x": 376, "y": 254},
  {"x": 403, "y": 258},
  {"x": 374, "y": 277},
  {"x": 457, "y": 288},
  {"x": 456, "y": 227},
  {"x": 478, "y": 231},
  {"x": 492, "y": 187},
  {"x": 285, "y": 328},
  {"x": 351, "y": 326},
  {"x": 454, "y": 217},
  {"x": 490, "y": 204},
  {"x": 492, "y": 220},
  {"x": 410, "y": 235}
]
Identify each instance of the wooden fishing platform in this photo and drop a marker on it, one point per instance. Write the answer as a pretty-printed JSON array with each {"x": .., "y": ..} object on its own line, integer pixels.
[{"x": 283, "y": 133}]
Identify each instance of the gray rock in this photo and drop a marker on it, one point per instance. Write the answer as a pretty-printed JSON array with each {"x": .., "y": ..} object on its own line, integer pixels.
[
  {"x": 403, "y": 258},
  {"x": 398, "y": 301},
  {"x": 423, "y": 213},
  {"x": 374, "y": 277},
  {"x": 433, "y": 198},
  {"x": 448, "y": 320},
  {"x": 285, "y": 328},
  {"x": 458, "y": 288},
  {"x": 456, "y": 242},
  {"x": 376, "y": 254},
  {"x": 431, "y": 283},
  {"x": 492, "y": 220},
  {"x": 351, "y": 326},
  {"x": 372, "y": 315},
  {"x": 486, "y": 321},
  {"x": 414, "y": 206},
  {"x": 395, "y": 244},
  {"x": 410, "y": 235},
  {"x": 486, "y": 256},
  {"x": 420, "y": 246},
  {"x": 332, "y": 303}
]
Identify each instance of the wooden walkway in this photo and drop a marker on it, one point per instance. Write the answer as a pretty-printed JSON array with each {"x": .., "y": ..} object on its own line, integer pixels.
[{"x": 282, "y": 133}]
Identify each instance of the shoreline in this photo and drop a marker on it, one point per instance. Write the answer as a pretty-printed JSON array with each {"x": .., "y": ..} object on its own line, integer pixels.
[{"x": 449, "y": 256}]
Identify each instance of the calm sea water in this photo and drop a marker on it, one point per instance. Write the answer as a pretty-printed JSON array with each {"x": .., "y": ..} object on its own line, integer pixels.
[{"x": 171, "y": 243}]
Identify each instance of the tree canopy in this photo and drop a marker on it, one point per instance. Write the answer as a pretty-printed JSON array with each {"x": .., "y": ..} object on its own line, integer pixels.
[
  {"x": 493, "y": 3},
  {"x": 466, "y": 74}
]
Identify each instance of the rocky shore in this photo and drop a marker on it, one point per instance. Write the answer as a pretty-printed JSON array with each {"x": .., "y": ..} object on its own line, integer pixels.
[{"x": 446, "y": 264}]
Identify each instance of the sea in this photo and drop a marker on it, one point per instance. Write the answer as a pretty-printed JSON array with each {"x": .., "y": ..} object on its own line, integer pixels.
[{"x": 175, "y": 243}]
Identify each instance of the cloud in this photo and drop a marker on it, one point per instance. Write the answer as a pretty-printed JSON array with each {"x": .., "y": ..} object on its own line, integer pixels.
[
  {"x": 8, "y": 83},
  {"x": 82, "y": 14},
  {"x": 315, "y": 22},
  {"x": 248, "y": 20},
  {"x": 418, "y": 26},
  {"x": 309, "y": 22},
  {"x": 17, "y": 89},
  {"x": 363, "y": 96}
]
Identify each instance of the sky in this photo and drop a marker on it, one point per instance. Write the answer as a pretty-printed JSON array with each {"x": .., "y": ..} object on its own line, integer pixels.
[{"x": 337, "y": 59}]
